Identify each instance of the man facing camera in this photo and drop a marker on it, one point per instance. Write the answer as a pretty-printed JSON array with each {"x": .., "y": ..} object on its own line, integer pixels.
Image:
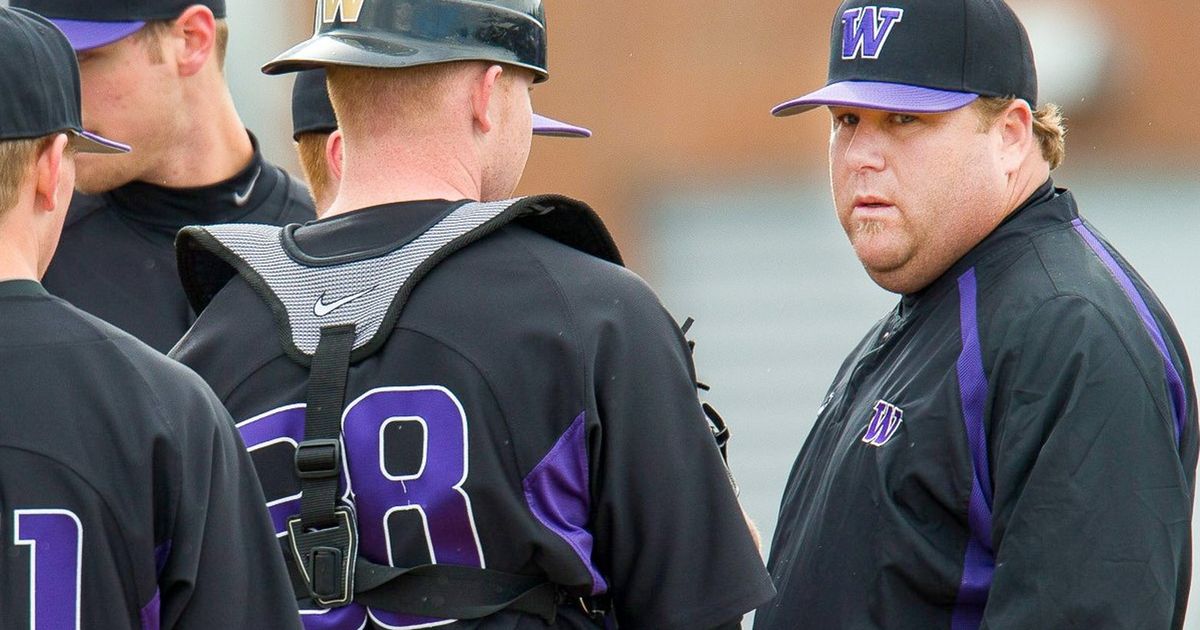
[{"x": 1014, "y": 445}]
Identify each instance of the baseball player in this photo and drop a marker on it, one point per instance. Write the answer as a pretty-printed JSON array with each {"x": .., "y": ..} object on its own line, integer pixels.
[
  {"x": 152, "y": 75},
  {"x": 1014, "y": 445},
  {"x": 460, "y": 405},
  {"x": 318, "y": 142},
  {"x": 126, "y": 498}
]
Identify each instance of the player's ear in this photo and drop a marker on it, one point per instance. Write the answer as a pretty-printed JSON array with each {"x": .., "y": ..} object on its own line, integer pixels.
[
  {"x": 48, "y": 174},
  {"x": 194, "y": 35},
  {"x": 333, "y": 154},
  {"x": 1014, "y": 127},
  {"x": 483, "y": 91}
]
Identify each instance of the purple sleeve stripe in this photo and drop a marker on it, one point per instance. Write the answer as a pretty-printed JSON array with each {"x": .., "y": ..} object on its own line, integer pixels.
[
  {"x": 162, "y": 553},
  {"x": 1178, "y": 397},
  {"x": 558, "y": 494},
  {"x": 150, "y": 612},
  {"x": 978, "y": 564}
]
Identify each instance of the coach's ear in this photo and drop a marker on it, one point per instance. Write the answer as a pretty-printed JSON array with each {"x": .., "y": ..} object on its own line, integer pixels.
[
  {"x": 482, "y": 91},
  {"x": 53, "y": 179},
  {"x": 333, "y": 154},
  {"x": 1014, "y": 129}
]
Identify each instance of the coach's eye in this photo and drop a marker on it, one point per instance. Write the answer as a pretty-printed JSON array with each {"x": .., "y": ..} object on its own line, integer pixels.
[
  {"x": 903, "y": 119},
  {"x": 843, "y": 120}
]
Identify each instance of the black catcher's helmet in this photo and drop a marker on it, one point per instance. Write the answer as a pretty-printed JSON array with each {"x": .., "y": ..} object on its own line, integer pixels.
[{"x": 405, "y": 33}]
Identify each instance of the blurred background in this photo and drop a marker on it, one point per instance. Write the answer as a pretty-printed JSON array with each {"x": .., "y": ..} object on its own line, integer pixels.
[{"x": 726, "y": 211}]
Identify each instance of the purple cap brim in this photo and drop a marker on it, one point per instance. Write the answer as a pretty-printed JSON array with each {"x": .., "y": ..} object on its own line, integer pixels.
[
  {"x": 87, "y": 142},
  {"x": 87, "y": 35},
  {"x": 543, "y": 126},
  {"x": 892, "y": 97}
]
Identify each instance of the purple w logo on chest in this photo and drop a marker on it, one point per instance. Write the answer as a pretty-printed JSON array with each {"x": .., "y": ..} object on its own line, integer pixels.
[
  {"x": 864, "y": 30},
  {"x": 884, "y": 423}
]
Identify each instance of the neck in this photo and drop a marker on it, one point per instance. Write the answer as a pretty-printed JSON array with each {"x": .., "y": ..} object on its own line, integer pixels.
[
  {"x": 1024, "y": 182},
  {"x": 211, "y": 145},
  {"x": 19, "y": 249},
  {"x": 373, "y": 176}
]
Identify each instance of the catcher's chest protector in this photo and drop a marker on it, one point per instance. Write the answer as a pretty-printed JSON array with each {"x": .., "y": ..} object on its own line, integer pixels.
[
  {"x": 334, "y": 311},
  {"x": 300, "y": 289}
]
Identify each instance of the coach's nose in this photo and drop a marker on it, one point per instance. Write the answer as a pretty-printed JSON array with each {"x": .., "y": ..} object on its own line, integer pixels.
[{"x": 865, "y": 149}]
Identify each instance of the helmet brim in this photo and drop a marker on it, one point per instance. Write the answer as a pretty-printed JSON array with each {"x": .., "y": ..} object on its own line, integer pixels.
[{"x": 380, "y": 50}]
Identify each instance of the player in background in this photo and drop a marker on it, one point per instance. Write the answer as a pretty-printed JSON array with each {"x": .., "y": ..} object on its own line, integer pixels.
[
  {"x": 126, "y": 498},
  {"x": 461, "y": 406},
  {"x": 152, "y": 75},
  {"x": 318, "y": 141},
  {"x": 1014, "y": 445}
]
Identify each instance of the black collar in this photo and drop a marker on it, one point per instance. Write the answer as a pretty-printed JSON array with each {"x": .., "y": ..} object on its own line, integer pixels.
[
  {"x": 22, "y": 288},
  {"x": 173, "y": 208},
  {"x": 366, "y": 232}
]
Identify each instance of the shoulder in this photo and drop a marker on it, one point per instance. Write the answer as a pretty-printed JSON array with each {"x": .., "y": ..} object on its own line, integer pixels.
[
  {"x": 87, "y": 371},
  {"x": 234, "y": 335},
  {"x": 586, "y": 281},
  {"x": 561, "y": 292},
  {"x": 173, "y": 385}
]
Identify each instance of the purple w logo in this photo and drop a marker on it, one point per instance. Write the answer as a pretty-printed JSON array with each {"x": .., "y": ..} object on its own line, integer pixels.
[
  {"x": 883, "y": 424},
  {"x": 865, "y": 29}
]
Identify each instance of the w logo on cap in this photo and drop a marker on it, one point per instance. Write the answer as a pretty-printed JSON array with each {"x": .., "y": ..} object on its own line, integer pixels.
[
  {"x": 328, "y": 10},
  {"x": 883, "y": 424},
  {"x": 865, "y": 29}
]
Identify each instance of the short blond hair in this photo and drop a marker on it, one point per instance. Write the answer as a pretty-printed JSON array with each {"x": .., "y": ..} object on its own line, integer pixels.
[
  {"x": 364, "y": 97},
  {"x": 16, "y": 158},
  {"x": 1049, "y": 126},
  {"x": 310, "y": 147},
  {"x": 151, "y": 35}
]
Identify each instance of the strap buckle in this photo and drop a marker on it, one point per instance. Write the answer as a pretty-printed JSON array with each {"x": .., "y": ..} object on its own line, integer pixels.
[
  {"x": 326, "y": 558},
  {"x": 318, "y": 459}
]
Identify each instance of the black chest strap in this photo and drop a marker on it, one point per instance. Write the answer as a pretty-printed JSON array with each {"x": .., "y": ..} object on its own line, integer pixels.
[{"x": 322, "y": 546}]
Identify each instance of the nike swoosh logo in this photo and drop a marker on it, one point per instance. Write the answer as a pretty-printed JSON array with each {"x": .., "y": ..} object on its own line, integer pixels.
[
  {"x": 321, "y": 308},
  {"x": 240, "y": 199}
]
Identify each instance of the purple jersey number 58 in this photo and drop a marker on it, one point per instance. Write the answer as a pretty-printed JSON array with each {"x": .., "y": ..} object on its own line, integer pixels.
[{"x": 433, "y": 491}]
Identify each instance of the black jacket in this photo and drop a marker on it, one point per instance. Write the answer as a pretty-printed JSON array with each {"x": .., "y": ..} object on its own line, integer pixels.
[{"x": 1012, "y": 447}]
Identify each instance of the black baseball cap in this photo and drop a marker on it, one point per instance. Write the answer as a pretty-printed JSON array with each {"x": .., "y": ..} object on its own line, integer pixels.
[
  {"x": 95, "y": 23},
  {"x": 311, "y": 110},
  {"x": 923, "y": 56},
  {"x": 39, "y": 84}
]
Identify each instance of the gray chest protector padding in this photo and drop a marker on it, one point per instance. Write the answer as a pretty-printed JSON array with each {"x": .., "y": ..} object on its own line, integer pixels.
[{"x": 307, "y": 294}]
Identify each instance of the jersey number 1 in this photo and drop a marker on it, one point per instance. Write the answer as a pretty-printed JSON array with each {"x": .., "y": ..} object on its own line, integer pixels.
[{"x": 55, "y": 541}]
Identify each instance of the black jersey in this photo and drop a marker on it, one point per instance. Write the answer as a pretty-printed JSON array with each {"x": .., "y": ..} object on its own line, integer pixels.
[
  {"x": 116, "y": 258},
  {"x": 1012, "y": 447},
  {"x": 126, "y": 499},
  {"x": 533, "y": 411}
]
